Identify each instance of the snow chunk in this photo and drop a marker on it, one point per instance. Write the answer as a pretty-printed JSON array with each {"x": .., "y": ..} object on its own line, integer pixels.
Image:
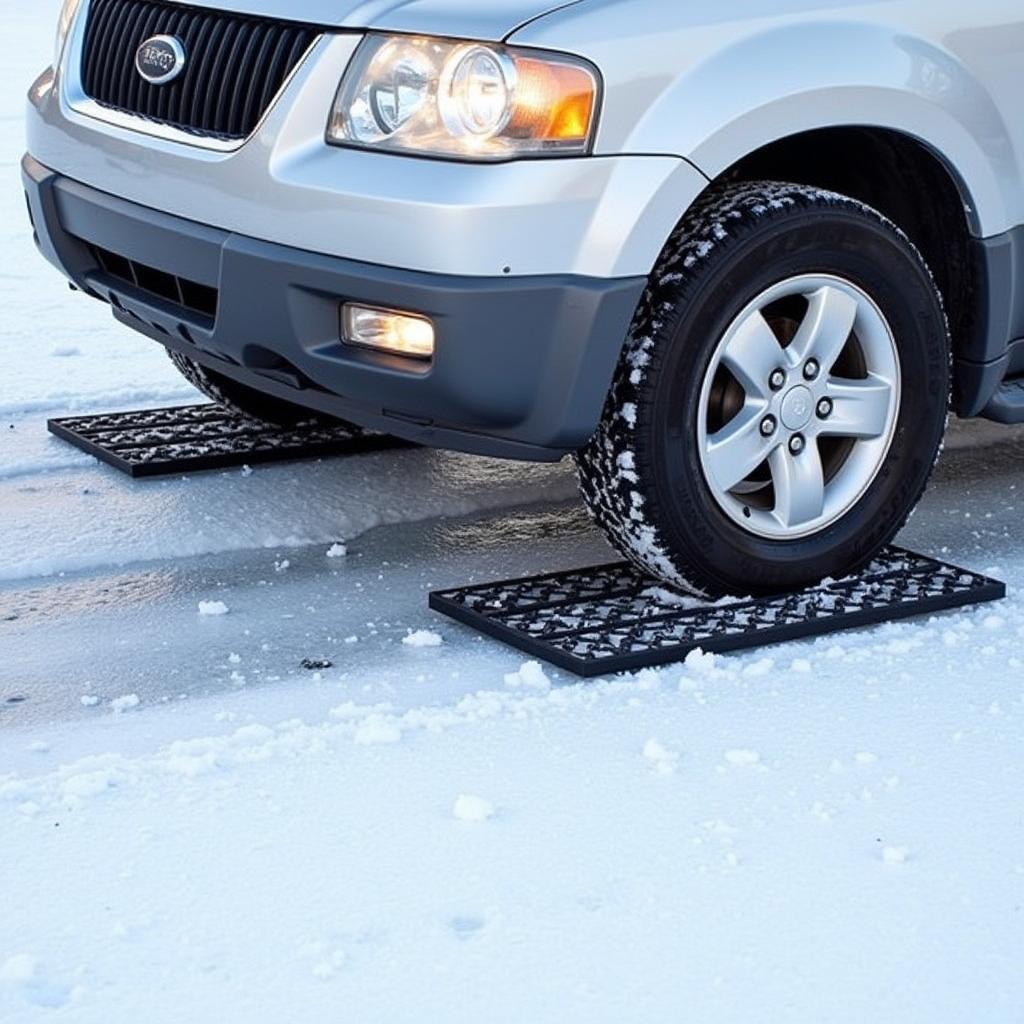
[
  {"x": 213, "y": 608},
  {"x": 472, "y": 808},
  {"x": 865, "y": 757},
  {"x": 663, "y": 760},
  {"x": 700, "y": 662},
  {"x": 801, "y": 665},
  {"x": 23, "y": 972},
  {"x": 759, "y": 668},
  {"x": 89, "y": 700},
  {"x": 742, "y": 758},
  {"x": 88, "y": 784},
  {"x": 19, "y": 969},
  {"x": 530, "y": 677},
  {"x": 422, "y": 638},
  {"x": 895, "y": 855},
  {"x": 376, "y": 730},
  {"x": 337, "y": 551},
  {"x": 125, "y": 703}
]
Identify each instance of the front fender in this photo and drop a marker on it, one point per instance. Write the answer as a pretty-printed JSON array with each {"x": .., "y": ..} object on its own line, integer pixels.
[{"x": 714, "y": 89}]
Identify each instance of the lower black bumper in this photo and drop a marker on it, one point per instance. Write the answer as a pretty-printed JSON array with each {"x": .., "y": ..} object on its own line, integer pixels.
[{"x": 521, "y": 369}]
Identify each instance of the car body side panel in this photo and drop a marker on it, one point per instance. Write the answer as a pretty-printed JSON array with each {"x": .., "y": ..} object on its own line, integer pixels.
[{"x": 713, "y": 85}]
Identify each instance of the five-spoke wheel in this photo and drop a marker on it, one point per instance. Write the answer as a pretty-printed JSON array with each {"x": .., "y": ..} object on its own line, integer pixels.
[
  {"x": 781, "y": 398},
  {"x": 798, "y": 406}
]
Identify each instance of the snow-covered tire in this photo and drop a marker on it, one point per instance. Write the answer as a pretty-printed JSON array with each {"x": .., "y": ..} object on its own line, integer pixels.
[
  {"x": 245, "y": 400},
  {"x": 643, "y": 473}
]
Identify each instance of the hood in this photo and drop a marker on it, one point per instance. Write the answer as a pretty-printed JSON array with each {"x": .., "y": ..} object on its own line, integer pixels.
[{"x": 472, "y": 19}]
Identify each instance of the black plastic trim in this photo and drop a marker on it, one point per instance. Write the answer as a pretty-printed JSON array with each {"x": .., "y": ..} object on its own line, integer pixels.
[
  {"x": 984, "y": 358},
  {"x": 522, "y": 367}
]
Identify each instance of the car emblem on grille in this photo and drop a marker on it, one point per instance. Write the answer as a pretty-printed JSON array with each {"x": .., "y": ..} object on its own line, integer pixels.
[{"x": 160, "y": 59}]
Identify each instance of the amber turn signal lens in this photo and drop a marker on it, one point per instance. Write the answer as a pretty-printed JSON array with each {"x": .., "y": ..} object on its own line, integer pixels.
[{"x": 553, "y": 102}]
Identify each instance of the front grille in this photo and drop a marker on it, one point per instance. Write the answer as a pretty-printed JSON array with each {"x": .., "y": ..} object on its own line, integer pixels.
[
  {"x": 236, "y": 64},
  {"x": 197, "y": 298}
]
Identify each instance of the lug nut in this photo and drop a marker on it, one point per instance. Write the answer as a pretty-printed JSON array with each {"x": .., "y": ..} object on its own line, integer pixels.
[
  {"x": 824, "y": 408},
  {"x": 777, "y": 381},
  {"x": 797, "y": 444},
  {"x": 768, "y": 426},
  {"x": 811, "y": 369}
]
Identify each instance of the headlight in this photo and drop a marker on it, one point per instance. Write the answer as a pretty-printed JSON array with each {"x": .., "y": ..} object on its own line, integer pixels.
[
  {"x": 471, "y": 101},
  {"x": 67, "y": 15}
]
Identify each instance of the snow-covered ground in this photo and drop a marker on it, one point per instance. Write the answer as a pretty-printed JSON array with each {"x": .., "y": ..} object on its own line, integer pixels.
[{"x": 194, "y": 827}]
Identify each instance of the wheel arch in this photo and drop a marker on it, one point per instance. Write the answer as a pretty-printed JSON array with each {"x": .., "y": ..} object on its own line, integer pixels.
[{"x": 912, "y": 185}]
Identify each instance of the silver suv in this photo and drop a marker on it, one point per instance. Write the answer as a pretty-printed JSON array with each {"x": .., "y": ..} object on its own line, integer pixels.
[{"x": 733, "y": 257}]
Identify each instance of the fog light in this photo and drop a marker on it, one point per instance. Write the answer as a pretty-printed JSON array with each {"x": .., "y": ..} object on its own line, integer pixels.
[{"x": 405, "y": 334}]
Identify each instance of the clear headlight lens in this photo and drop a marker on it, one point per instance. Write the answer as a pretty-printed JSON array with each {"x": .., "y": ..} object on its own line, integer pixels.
[
  {"x": 471, "y": 101},
  {"x": 67, "y": 15}
]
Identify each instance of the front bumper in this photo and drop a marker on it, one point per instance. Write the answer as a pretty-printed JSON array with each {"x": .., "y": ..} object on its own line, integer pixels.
[{"x": 522, "y": 366}]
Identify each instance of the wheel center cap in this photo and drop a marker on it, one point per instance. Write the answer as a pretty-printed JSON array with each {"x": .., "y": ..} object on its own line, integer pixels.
[{"x": 797, "y": 408}]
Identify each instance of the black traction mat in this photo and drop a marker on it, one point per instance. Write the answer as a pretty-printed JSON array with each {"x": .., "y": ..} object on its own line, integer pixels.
[
  {"x": 612, "y": 618},
  {"x": 192, "y": 438}
]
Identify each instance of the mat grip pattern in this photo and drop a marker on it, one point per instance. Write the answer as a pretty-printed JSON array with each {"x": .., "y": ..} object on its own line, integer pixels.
[
  {"x": 193, "y": 438},
  {"x": 612, "y": 618}
]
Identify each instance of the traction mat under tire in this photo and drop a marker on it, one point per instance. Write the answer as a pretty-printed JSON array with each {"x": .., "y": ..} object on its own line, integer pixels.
[{"x": 612, "y": 618}]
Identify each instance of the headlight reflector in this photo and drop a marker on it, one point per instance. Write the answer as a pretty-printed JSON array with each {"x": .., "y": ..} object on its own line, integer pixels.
[
  {"x": 471, "y": 101},
  {"x": 475, "y": 92}
]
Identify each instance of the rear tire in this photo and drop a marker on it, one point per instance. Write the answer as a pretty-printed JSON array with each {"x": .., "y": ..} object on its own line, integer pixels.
[
  {"x": 248, "y": 401},
  {"x": 804, "y": 330}
]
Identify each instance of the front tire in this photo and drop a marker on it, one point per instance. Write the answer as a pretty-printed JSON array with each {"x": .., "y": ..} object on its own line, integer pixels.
[{"x": 781, "y": 399}]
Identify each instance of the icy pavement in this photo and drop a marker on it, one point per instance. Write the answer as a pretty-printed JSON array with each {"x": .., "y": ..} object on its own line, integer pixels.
[
  {"x": 820, "y": 831},
  {"x": 193, "y": 826}
]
